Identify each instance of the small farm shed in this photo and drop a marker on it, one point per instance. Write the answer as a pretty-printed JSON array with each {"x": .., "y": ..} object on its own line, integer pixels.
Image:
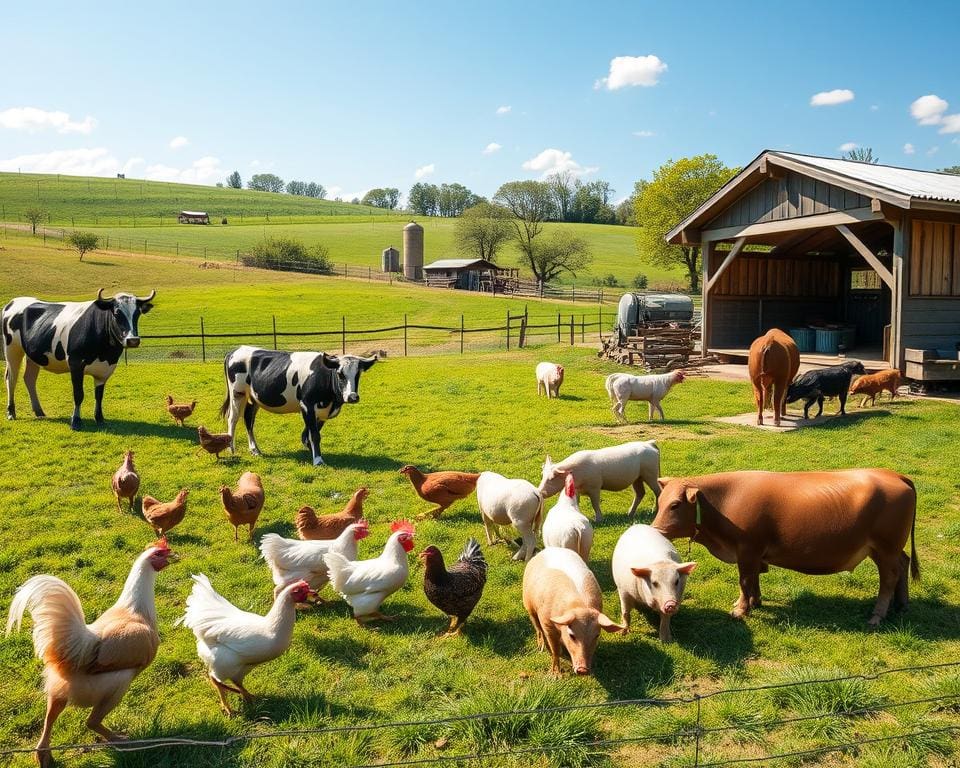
[
  {"x": 193, "y": 217},
  {"x": 468, "y": 274},
  {"x": 863, "y": 258}
]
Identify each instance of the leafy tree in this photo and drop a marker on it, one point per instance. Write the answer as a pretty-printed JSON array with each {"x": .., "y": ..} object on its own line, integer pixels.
[
  {"x": 562, "y": 188},
  {"x": 35, "y": 215},
  {"x": 861, "y": 154},
  {"x": 640, "y": 281},
  {"x": 315, "y": 190},
  {"x": 952, "y": 169},
  {"x": 530, "y": 203},
  {"x": 561, "y": 252},
  {"x": 677, "y": 188},
  {"x": 424, "y": 199},
  {"x": 482, "y": 230},
  {"x": 454, "y": 199},
  {"x": 290, "y": 255},
  {"x": 297, "y": 188},
  {"x": 265, "y": 182},
  {"x": 625, "y": 212},
  {"x": 388, "y": 198},
  {"x": 591, "y": 202},
  {"x": 234, "y": 181},
  {"x": 83, "y": 242}
]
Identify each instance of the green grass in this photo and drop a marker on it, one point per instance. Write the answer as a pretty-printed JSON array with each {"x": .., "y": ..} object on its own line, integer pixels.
[{"x": 473, "y": 412}]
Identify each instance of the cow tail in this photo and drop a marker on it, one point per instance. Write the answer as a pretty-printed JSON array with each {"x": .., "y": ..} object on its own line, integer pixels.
[
  {"x": 914, "y": 563},
  {"x": 538, "y": 518},
  {"x": 226, "y": 378}
]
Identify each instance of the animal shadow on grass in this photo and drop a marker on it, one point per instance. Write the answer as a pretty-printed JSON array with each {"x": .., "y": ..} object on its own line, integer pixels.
[
  {"x": 571, "y": 398},
  {"x": 214, "y": 729},
  {"x": 504, "y": 637},
  {"x": 368, "y": 463},
  {"x": 836, "y": 421},
  {"x": 627, "y": 668},
  {"x": 284, "y": 528},
  {"x": 142, "y": 429},
  {"x": 281, "y": 709},
  {"x": 344, "y": 650},
  {"x": 176, "y": 537}
]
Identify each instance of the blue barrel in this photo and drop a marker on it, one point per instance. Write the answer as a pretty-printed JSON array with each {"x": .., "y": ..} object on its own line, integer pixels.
[
  {"x": 804, "y": 338},
  {"x": 828, "y": 340}
]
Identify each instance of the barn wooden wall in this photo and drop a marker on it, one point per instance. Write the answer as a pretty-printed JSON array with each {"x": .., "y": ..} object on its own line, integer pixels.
[
  {"x": 934, "y": 258},
  {"x": 789, "y": 197},
  {"x": 758, "y": 276}
]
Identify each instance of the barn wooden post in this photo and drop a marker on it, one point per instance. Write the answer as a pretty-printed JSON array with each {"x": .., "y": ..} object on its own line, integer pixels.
[
  {"x": 274, "y": 331},
  {"x": 706, "y": 249},
  {"x": 203, "y": 343},
  {"x": 343, "y": 336}
]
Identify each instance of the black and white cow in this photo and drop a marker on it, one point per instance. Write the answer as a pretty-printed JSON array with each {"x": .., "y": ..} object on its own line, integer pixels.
[
  {"x": 314, "y": 384},
  {"x": 82, "y": 338}
]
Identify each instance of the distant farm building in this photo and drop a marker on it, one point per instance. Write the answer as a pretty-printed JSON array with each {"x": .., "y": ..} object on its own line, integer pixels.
[
  {"x": 390, "y": 261},
  {"x": 469, "y": 275},
  {"x": 849, "y": 257},
  {"x": 193, "y": 217},
  {"x": 413, "y": 251}
]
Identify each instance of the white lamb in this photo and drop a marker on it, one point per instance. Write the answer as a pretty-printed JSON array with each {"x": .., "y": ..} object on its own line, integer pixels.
[
  {"x": 566, "y": 526},
  {"x": 549, "y": 378},
  {"x": 508, "y": 501},
  {"x": 623, "y": 387}
]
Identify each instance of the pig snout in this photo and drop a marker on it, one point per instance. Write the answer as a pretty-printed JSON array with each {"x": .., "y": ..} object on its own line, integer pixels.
[
  {"x": 669, "y": 607},
  {"x": 581, "y": 669}
]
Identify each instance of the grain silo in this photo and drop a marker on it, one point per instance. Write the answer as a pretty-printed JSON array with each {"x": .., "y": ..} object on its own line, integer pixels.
[
  {"x": 413, "y": 251},
  {"x": 391, "y": 260}
]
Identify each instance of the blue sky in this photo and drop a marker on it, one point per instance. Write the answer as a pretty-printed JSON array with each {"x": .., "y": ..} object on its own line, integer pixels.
[{"x": 358, "y": 95}]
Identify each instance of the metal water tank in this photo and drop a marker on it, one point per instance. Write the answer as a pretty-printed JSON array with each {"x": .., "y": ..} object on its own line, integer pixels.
[
  {"x": 413, "y": 251},
  {"x": 391, "y": 260}
]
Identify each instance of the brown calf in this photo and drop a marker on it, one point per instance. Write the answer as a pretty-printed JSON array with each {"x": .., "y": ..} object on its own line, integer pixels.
[
  {"x": 773, "y": 364},
  {"x": 875, "y": 383}
]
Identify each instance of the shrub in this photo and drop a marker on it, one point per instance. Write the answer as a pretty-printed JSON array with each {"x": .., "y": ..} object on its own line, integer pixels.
[
  {"x": 223, "y": 220},
  {"x": 610, "y": 281},
  {"x": 288, "y": 254},
  {"x": 640, "y": 281},
  {"x": 83, "y": 242}
]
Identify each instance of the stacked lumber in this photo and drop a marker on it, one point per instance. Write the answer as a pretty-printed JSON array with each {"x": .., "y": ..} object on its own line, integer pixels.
[{"x": 663, "y": 347}]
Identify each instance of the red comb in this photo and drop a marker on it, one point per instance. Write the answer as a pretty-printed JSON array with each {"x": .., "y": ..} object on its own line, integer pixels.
[
  {"x": 160, "y": 543},
  {"x": 401, "y": 525},
  {"x": 570, "y": 486}
]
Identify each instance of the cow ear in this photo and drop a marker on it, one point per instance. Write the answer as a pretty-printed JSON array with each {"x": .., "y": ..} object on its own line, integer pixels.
[
  {"x": 330, "y": 361},
  {"x": 691, "y": 494},
  {"x": 641, "y": 573},
  {"x": 687, "y": 568},
  {"x": 565, "y": 620},
  {"x": 366, "y": 363},
  {"x": 145, "y": 307},
  {"x": 662, "y": 482}
]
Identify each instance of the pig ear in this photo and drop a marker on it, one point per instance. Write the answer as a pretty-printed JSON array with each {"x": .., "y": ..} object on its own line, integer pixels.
[
  {"x": 609, "y": 625},
  {"x": 662, "y": 481},
  {"x": 687, "y": 568},
  {"x": 641, "y": 573},
  {"x": 548, "y": 462},
  {"x": 563, "y": 621},
  {"x": 691, "y": 494}
]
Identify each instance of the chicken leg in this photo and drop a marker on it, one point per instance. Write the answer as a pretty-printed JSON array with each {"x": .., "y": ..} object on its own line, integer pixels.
[
  {"x": 54, "y": 708},
  {"x": 456, "y": 627}
]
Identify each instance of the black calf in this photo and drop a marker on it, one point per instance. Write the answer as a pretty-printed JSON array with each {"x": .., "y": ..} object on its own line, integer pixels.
[{"x": 814, "y": 386}]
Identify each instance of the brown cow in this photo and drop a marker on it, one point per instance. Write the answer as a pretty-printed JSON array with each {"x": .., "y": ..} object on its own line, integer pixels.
[
  {"x": 875, "y": 384},
  {"x": 811, "y": 522},
  {"x": 774, "y": 362}
]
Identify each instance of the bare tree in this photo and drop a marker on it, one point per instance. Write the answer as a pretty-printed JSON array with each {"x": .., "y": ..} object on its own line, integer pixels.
[
  {"x": 562, "y": 188},
  {"x": 531, "y": 203},
  {"x": 861, "y": 155}
]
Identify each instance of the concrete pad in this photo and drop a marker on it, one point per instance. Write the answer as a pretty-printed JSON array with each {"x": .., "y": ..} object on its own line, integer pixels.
[{"x": 788, "y": 423}]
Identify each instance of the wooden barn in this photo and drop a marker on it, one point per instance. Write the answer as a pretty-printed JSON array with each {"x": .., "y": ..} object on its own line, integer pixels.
[
  {"x": 468, "y": 275},
  {"x": 851, "y": 258},
  {"x": 193, "y": 217}
]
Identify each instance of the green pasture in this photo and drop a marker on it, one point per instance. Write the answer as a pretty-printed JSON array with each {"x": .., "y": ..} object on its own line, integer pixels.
[{"x": 477, "y": 412}]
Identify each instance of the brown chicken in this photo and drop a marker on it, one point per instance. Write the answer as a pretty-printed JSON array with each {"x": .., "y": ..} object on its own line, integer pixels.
[
  {"x": 180, "y": 411},
  {"x": 165, "y": 515},
  {"x": 215, "y": 444},
  {"x": 440, "y": 488},
  {"x": 243, "y": 505},
  {"x": 126, "y": 481},
  {"x": 311, "y": 527}
]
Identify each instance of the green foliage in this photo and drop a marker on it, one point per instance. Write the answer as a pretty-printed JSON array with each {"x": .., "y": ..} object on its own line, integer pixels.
[
  {"x": 811, "y": 698},
  {"x": 234, "y": 181},
  {"x": 387, "y": 198},
  {"x": 951, "y": 169},
  {"x": 560, "y": 251},
  {"x": 265, "y": 182},
  {"x": 83, "y": 242},
  {"x": 640, "y": 281},
  {"x": 591, "y": 203},
  {"x": 289, "y": 255},
  {"x": 677, "y": 188},
  {"x": 482, "y": 230},
  {"x": 531, "y": 203},
  {"x": 861, "y": 155},
  {"x": 35, "y": 214},
  {"x": 608, "y": 281}
]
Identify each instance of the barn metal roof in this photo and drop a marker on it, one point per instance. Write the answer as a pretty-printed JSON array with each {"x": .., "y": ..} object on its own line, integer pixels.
[
  {"x": 193, "y": 213},
  {"x": 461, "y": 264}
]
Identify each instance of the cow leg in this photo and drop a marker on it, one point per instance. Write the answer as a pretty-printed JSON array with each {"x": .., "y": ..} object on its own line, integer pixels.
[
  {"x": 843, "y": 403},
  {"x": 30, "y": 373},
  {"x": 779, "y": 401},
  {"x": 638, "y": 491},
  {"x": 758, "y": 400},
  {"x": 595, "y": 502},
  {"x": 889, "y": 569},
  {"x": 98, "y": 399},
  {"x": 755, "y": 592},
  {"x": 819, "y": 406},
  {"x": 901, "y": 597},
  {"x": 14, "y": 356},
  {"x": 249, "y": 418},
  {"x": 76, "y": 378},
  {"x": 749, "y": 576},
  {"x": 312, "y": 427},
  {"x": 237, "y": 400}
]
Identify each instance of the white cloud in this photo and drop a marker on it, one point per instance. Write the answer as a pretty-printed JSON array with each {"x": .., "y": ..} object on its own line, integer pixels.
[
  {"x": 504, "y": 110},
  {"x": 950, "y": 124},
  {"x": 831, "y": 98},
  {"x": 32, "y": 119},
  {"x": 929, "y": 109},
  {"x": 334, "y": 192},
  {"x": 554, "y": 161},
  {"x": 179, "y": 141},
  {"x": 909, "y": 149},
  {"x": 206, "y": 170},
  {"x": 848, "y": 146},
  {"x": 96, "y": 161},
  {"x": 932, "y": 151},
  {"x": 632, "y": 70},
  {"x": 644, "y": 134},
  {"x": 491, "y": 148},
  {"x": 424, "y": 171}
]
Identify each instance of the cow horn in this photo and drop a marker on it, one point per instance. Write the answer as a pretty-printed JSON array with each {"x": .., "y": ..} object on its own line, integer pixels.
[
  {"x": 149, "y": 298},
  {"x": 100, "y": 294}
]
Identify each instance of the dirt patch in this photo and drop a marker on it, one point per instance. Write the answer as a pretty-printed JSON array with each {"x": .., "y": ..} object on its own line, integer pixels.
[{"x": 661, "y": 431}]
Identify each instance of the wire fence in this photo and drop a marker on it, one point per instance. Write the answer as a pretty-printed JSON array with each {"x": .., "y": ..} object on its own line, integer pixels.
[{"x": 690, "y": 741}]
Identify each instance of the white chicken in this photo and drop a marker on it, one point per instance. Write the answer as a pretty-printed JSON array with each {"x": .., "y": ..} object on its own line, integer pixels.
[
  {"x": 365, "y": 584},
  {"x": 295, "y": 560},
  {"x": 566, "y": 526},
  {"x": 232, "y": 642}
]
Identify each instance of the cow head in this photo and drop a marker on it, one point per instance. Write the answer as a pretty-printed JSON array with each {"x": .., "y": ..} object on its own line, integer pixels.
[
  {"x": 677, "y": 509},
  {"x": 125, "y": 309},
  {"x": 552, "y": 478},
  {"x": 349, "y": 368}
]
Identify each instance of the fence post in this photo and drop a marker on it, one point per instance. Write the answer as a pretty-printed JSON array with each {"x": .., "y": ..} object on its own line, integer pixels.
[
  {"x": 583, "y": 327},
  {"x": 343, "y": 335},
  {"x": 508, "y": 330},
  {"x": 574, "y": 293},
  {"x": 274, "y": 331},
  {"x": 696, "y": 747},
  {"x": 203, "y": 342},
  {"x": 404, "y": 335},
  {"x": 558, "y": 327},
  {"x": 600, "y": 295},
  {"x": 572, "y": 339},
  {"x": 600, "y": 324},
  {"x": 461, "y": 334}
]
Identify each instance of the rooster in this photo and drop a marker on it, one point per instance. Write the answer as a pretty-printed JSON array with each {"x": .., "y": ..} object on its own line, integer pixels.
[
  {"x": 365, "y": 584},
  {"x": 566, "y": 526},
  {"x": 440, "y": 488},
  {"x": 91, "y": 665},
  {"x": 165, "y": 515},
  {"x": 232, "y": 642},
  {"x": 244, "y": 505},
  {"x": 292, "y": 560},
  {"x": 215, "y": 444},
  {"x": 180, "y": 411},
  {"x": 126, "y": 481},
  {"x": 311, "y": 527},
  {"x": 455, "y": 591}
]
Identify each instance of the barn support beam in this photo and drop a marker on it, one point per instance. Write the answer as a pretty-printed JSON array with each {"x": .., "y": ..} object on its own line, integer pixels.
[
  {"x": 868, "y": 255},
  {"x": 731, "y": 255}
]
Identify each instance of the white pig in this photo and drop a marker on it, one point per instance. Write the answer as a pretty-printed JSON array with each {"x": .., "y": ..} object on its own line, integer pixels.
[
  {"x": 563, "y": 599},
  {"x": 648, "y": 571},
  {"x": 549, "y": 377}
]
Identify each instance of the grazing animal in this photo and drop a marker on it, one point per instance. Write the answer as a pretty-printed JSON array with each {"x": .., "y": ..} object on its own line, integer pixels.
[
  {"x": 180, "y": 411},
  {"x": 91, "y": 665},
  {"x": 455, "y": 591},
  {"x": 609, "y": 469},
  {"x": 566, "y": 526},
  {"x": 231, "y": 642},
  {"x": 508, "y": 501},
  {"x": 313, "y": 384},
  {"x": 163, "y": 516},
  {"x": 624, "y": 387},
  {"x": 82, "y": 338},
  {"x": 243, "y": 506},
  {"x": 874, "y": 384},
  {"x": 648, "y": 571},
  {"x": 310, "y": 526},
  {"x": 811, "y": 522},
  {"x": 549, "y": 378},
  {"x": 126, "y": 481},
  {"x": 563, "y": 600},
  {"x": 832, "y": 381},
  {"x": 211, "y": 443},
  {"x": 440, "y": 488},
  {"x": 773, "y": 363}
]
